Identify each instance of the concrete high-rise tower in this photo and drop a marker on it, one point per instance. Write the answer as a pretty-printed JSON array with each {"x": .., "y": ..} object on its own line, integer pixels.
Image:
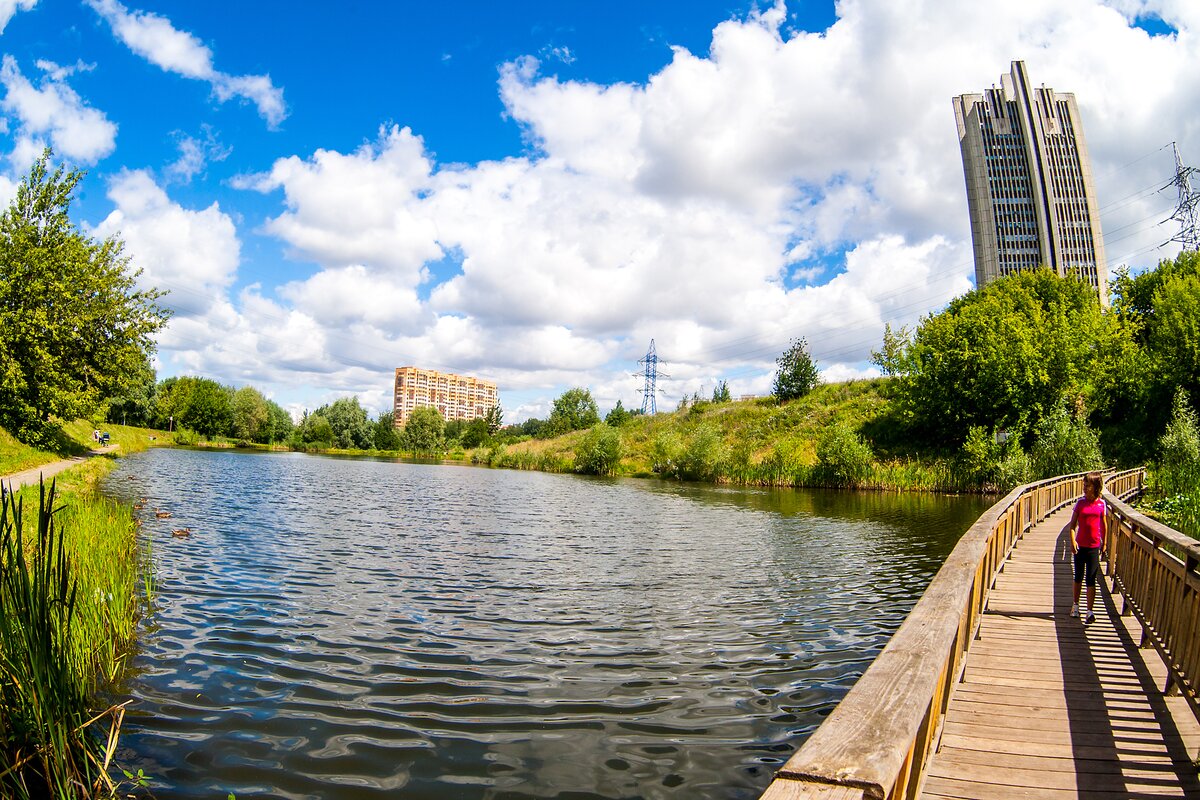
[{"x": 1029, "y": 182}]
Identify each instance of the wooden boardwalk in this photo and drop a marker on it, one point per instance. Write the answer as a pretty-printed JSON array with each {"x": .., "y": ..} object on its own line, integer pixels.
[{"x": 1050, "y": 709}]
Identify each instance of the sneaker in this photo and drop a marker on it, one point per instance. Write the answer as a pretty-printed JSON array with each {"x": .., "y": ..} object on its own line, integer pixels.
[
  {"x": 1075, "y": 610},
  {"x": 1089, "y": 619}
]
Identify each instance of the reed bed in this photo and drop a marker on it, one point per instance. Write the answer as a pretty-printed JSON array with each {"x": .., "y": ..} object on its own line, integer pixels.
[{"x": 68, "y": 611}]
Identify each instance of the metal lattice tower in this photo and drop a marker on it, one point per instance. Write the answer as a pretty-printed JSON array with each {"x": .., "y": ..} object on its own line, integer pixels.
[
  {"x": 1185, "y": 212},
  {"x": 650, "y": 363}
]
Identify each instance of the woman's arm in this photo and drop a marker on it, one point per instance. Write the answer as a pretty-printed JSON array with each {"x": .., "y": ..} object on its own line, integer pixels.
[{"x": 1069, "y": 527}]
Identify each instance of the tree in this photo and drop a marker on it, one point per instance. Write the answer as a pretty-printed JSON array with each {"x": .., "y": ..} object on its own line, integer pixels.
[
  {"x": 1004, "y": 357},
  {"x": 199, "y": 404},
  {"x": 721, "y": 393},
  {"x": 423, "y": 430},
  {"x": 250, "y": 414},
  {"x": 351, "y": 428},
  {"x": 73, "y": 327},
  {"x": 618, "y": 416},
  {"x": 574, "y": 410},
  {"x": 475, "y": 433},
  {"x": 279, "y": 424},
  {"x": 797, "y": 374},
  {"x": 494, "y": 419},
  {"x": 890, "y": 357},
  {"x": 386, "y": 435}
]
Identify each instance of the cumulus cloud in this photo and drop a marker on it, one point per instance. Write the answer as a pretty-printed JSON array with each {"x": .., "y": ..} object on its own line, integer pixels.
[
  {"x": 52, "y": 113},
  {"x": 155, "y": 39},
  {"x": 781, "y": 185},
  {"x": 192, "y": 254},
  {"x": 8, "y": 8}
]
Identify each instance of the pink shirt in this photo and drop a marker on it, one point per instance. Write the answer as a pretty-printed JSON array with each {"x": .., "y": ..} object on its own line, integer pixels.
[{"x": 1089, "y": 517}]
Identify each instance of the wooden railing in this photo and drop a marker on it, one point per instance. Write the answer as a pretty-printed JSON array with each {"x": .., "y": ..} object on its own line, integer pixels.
[
  {"x": 1154, "y": 569},
  {"x": 878, "y": 739}
]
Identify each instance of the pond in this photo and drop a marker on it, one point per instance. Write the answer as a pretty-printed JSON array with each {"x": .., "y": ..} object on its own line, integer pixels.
[{"x": 355, "y": 628}]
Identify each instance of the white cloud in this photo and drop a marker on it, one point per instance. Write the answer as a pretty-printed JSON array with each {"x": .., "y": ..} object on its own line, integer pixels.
[
  {"x": 8, "y": 8},
  {"x": 53, "y": 113},
  {"x": 155, "y": 39},
  {"x": 193, "y": 254},
  {"x": 777, "y": 187},
  {"x": 195, "y": 153}
]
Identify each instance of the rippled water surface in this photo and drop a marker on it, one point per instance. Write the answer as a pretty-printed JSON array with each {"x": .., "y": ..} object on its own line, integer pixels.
[{"x": 340, "y": 628}]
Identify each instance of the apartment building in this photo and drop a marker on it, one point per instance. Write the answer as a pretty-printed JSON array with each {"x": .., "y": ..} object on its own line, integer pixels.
[{"x": 454, "y": 396}]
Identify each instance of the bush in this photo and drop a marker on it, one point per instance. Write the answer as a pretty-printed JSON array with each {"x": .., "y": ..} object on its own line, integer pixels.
[
  {"x": 1063, "y": 446},
  {"x": 599, "y": 451},
  {"x": 990, "y": 465},
  {"x": 843, "y": 458},
  {"x": 1179, "y": 450},
  {"x": 665, "y": 453},
  {"x": 702, "y": 458}
]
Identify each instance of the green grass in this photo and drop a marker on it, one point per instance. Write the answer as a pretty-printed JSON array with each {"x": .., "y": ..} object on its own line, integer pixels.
[
  {"x": 67, "y": 614},
  {"x": 755, "y": 442},
  {"x": 84, "y": 564}
]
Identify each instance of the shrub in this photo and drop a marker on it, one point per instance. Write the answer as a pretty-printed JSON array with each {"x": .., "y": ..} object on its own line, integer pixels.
[
  {"x": 843, "y": 458},
  {"x": 702, "y": 458},
  {"x": 1179, "y": 450},
  {"x": 599, "y": 451},
  {"x": 1063, "y": 445},
  {"x": 665, "y": 453}
]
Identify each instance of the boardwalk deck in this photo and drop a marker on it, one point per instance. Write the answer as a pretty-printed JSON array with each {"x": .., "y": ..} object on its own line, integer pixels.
[{"x": 1050, "y": 709}]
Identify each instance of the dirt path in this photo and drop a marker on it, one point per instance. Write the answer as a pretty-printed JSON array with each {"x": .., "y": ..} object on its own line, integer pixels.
[{"x": 30, "y": 476}]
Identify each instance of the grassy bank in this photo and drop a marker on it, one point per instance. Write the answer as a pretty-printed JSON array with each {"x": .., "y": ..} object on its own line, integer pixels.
[
  {"x": 836, "y": 436},
  {"x": 69, "y": 591}
]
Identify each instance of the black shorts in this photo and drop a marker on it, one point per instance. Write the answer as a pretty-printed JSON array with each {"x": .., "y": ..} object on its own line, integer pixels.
[{"x": 1087, "y": 565}]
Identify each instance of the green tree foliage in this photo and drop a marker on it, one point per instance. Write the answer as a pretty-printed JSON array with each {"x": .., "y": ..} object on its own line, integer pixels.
[
  {"x": 1003, "y": 356},
  {"x": 890, "y": 357},
  {"x": 1161, "y": 308},
  {"x": 476, "y": 433},
  {"x": 494, "y": 420},
  {"x": 1063, "y": 445},
  {"x": 314, "y": 431},
  {"x": 618, "y": 416},
  {"x": 703, "y": 456},
  {"x": 279, "y": 424},
  {"x": 599, "y": 451},
  {"x": 351, "y": 428},
  {"x": 423, "y": 430},
  {"x": 533, "y": 427},
  {"x": 574, "y": 410},
  {"x": 1179, "y": 450},
  {"x": 843, "y": 458},
  {"x": 797, "y": 373},
  {"x": 73, "y": 328},
  {"x": 135, "y": 404},
  {"x": 386, "y": 435},
  {"x": 198, "y": 404},
  {"x": 992, "y": 464},
  {"x": 250, "y": 414},
  {"x": 721, "y": 393}
]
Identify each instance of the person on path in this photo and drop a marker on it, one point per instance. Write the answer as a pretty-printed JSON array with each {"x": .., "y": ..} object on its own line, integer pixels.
[{"x": 1089, "y": 524}]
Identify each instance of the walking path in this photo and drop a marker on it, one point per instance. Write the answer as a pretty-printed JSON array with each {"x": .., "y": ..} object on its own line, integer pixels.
[
  {"x": 30, "y": 476},
  {"x": 1051, "y": 709}
]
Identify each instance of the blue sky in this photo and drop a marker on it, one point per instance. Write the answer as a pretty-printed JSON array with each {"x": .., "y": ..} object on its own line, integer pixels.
[{"x": 530, "y": 192}]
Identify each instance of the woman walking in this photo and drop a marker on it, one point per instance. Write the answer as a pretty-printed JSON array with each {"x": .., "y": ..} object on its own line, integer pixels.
[{"x": 1089, "y": 526}]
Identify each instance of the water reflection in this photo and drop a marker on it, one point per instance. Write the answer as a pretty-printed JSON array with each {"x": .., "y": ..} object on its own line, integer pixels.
[{"x": 349, "y": 629}]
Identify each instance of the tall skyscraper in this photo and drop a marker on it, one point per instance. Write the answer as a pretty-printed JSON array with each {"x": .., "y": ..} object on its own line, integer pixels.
[{"x": 1029, "y": 182}]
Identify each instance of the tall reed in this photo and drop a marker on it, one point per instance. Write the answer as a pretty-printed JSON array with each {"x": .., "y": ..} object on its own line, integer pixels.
[{"x": 52, "y": 744}]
